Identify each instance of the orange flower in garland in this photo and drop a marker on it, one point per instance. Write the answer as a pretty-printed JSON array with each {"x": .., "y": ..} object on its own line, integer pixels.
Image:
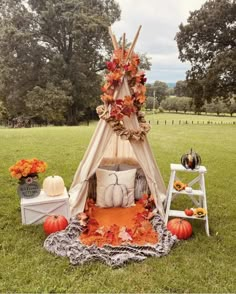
[
  {"x": 141, "y": 98},
  {"x": 106, "y": 98},
  {"x": 106, "y": 87},
  {"x": 128, "y": 101},
  {"x": 118, "y": 68},
  {"x": 128, "y": 106},
  {"x": 141, "y": 79},
  {"x": 119, "y": 56},
  {"x": 111, "y": 66},
  {"x": 116, "y": 110},
  {"x": 115, "y": 76},
  {"x": 26, "y": 167}
]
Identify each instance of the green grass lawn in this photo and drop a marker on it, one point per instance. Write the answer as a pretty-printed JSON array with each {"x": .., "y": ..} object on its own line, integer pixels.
[{"x": 199, "y": 265}]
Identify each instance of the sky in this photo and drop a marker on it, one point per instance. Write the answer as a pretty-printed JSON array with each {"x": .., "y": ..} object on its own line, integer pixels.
[{"x": 160, "y": 20}]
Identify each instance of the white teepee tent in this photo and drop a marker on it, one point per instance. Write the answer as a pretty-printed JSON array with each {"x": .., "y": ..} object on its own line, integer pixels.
[{"x": 118, "y": 138}]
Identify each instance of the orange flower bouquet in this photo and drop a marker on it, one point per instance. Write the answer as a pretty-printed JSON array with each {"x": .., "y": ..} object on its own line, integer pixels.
[
  {"x": 26, "y": 167},
  {"x": 26, "y": 171}
]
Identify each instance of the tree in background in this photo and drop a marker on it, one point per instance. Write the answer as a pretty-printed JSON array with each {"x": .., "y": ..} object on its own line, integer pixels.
[
  {"x": 232, "y": 106},
  {"x": 149, "y": 90},
  {"x": 216, "y": 107},
  {"x": 48, "y": 104},
  {"x": 219, "y": 106},
  {"x": 151, "y": 103},
  {"x": 177, "y": 104},
  {"x": 158, "y": 89},
  {"x": 3, "y": 112},
  {"x": 171, "y": 91},
  {"x": 181, "y": 89},
  {"x": 168, "y": 104},
  {"x": 50, "y": 55},
  {"x": 208, "y": 42}
]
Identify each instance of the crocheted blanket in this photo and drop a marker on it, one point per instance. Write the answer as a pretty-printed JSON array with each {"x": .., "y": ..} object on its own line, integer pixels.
[{"x": 67, "y": 244}]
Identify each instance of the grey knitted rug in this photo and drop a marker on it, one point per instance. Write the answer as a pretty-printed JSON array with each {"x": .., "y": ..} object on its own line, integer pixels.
[{"x": 67, "y": 244}]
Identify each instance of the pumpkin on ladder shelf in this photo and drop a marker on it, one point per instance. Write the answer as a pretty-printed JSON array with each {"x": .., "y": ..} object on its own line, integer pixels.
[{"x": 191, "y": 160}]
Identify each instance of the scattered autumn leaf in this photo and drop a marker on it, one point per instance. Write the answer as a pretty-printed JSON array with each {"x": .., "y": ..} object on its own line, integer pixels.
[{"x": 124, "y": 235}]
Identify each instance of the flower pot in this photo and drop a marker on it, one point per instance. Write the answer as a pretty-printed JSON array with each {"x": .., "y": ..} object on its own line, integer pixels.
[{"x": 29, "y": 186}]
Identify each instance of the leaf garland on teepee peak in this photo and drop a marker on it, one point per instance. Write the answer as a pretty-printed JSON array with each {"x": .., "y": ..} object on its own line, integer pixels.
[
  {"x": 124, "y": 64},
  {"x": 118, "y": 68}
]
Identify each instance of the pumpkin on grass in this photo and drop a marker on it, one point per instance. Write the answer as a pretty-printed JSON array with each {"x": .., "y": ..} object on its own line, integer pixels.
[
  {"x": 54, "y": 223},
  {"x": 116, "y": 195},
  {"x": 180, "y": 227}
]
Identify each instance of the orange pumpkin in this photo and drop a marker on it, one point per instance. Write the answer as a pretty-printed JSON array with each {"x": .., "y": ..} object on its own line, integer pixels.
[
  {"x": 180, "y": 227},
  {"x": 54, "y": 223}
]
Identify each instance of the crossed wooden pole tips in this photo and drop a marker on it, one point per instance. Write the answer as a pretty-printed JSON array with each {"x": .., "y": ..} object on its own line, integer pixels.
[{"x": 131, "y": 48}]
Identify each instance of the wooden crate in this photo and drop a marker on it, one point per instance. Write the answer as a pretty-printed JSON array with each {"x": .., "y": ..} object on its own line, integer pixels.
[{"x": 35, "y": 210}]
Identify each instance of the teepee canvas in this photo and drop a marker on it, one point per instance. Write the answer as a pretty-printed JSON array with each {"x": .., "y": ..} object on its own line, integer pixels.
[{"x": 121, "y": 130}]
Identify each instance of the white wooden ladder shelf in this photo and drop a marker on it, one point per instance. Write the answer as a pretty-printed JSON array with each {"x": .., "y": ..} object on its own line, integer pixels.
[{"x": 198, "y": 197}]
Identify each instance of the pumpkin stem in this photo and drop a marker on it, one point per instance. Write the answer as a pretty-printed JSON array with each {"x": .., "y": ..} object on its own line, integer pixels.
[
  {"x": 54, "y": 215},
  {"x": 116, "y": 183}
]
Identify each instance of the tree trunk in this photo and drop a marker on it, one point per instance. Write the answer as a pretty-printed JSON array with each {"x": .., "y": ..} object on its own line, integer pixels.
[{"x": 71, "y": 117}]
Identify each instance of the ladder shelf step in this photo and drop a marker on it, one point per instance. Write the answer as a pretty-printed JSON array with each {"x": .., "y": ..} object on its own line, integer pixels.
[
  {"x": 183, "y": 192},
  {"x": 179, "y": 213}
]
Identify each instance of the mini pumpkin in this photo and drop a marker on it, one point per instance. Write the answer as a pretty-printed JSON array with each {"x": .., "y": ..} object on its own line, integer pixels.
[
  {"x": 53, "y": 185},
  {"x": 191, "y": 160},
  {"x": 116, "y": 195},
  {"x": 180, "y": 227}
]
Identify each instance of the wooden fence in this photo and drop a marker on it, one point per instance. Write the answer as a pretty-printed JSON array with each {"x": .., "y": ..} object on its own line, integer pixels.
[{"x": 193, "y": 122}]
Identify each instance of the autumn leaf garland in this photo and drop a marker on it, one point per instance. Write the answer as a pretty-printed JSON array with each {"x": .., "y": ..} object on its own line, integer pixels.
[{"x": 119, "y": 68}]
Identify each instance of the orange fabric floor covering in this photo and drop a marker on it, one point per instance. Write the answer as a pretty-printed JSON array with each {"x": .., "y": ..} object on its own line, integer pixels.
[
  {"x": 117, "y": 215},
  {"x": 118, "y": 225}
]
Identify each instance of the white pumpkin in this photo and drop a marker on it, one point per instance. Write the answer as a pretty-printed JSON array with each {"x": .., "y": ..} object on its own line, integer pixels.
[{"x": 53, "y": 185}]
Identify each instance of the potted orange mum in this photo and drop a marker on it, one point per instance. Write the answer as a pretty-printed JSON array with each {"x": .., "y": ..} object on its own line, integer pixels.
[{"x": 26, "y": 171}]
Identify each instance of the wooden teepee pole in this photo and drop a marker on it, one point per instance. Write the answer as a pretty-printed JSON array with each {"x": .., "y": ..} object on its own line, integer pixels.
[
  {"x": 111, "y": 35},
  {"x": 113, "y": 39},
  {"x": 123, "y": 47},
  {"x": 133, "y": 44}
]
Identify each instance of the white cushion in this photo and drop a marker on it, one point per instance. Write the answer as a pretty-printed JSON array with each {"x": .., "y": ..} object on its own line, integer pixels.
[{"x": 115, "y": 188}]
